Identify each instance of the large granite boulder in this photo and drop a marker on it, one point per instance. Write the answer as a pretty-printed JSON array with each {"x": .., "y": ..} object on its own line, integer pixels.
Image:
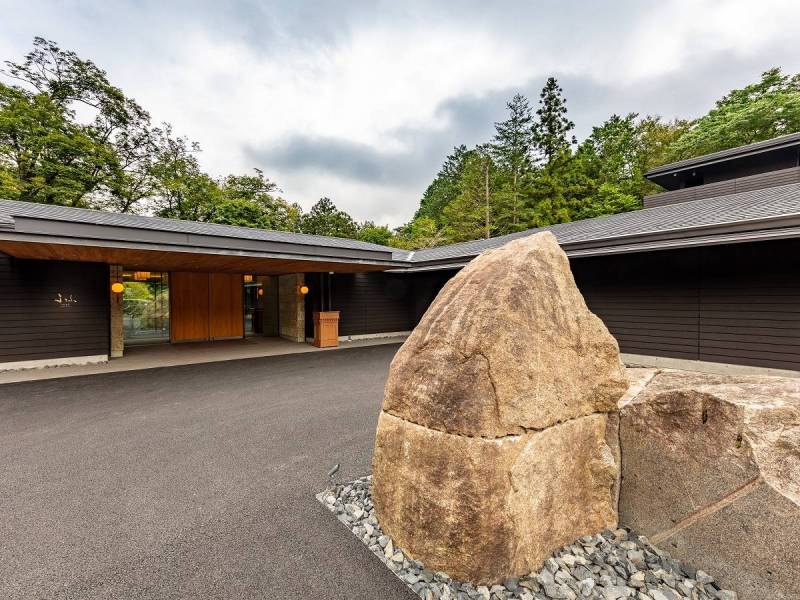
[
  {"x": 491, "y": 449},
  {"x": 711, "y": 472}
]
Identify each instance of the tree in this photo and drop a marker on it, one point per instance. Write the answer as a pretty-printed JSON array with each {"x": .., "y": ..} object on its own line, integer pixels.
[
  {"x": 119, "y": 128},
  {"x": 757, "y": 112},
  {"x": 375, "y": 234},
  {"x": 551, "y": 128},
  {"x": 512, "y": 150},
  {"x": 445, "y": 186},
  {"x": 250, "y": 201},
  {"x": 554, "y": 191},
  {"x": 472, "y": 214},
  {"x": 421, "y": 232},
  {"x": 44, "y": 156},
  {"x": 182, "y": 190},
  {"x": 608, "y": 199},
  {"x": 325, "y": 219}
]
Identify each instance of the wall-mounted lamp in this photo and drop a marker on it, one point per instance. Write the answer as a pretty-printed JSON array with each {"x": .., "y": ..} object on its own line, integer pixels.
[
  {"x": 303, "y": 289},
  {"x": 117, "y": 287},
  {"x": 248, "y": 279}
]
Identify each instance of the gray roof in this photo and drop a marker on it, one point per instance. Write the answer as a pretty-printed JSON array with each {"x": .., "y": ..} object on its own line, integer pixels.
[
  {"x": 12, "y": 208},
  {"x": 676, "y": 220},
  {"x": 756, "y": 148},
  {"x": 743, "y": 216}
]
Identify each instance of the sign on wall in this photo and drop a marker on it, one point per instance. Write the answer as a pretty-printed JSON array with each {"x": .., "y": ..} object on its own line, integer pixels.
[{"x": 65, "y": 301}]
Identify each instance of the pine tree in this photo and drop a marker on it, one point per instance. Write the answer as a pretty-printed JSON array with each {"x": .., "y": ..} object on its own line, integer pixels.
[
  {"x": 552, "y": 127},
  {"x": 445, "y": 187},
  {"x": 472, "y": 213},
  {"x": 512, "y": 150}
]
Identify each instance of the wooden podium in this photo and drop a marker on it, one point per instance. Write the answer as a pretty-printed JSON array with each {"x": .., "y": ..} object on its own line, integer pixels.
[{"x": 326, "y": 329}]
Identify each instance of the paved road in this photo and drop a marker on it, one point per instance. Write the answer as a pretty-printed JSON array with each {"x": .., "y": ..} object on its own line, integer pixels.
[{"x": 189, "y": 482}]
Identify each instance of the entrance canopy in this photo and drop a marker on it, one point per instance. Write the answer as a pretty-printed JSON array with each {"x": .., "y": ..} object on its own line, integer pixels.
[{"x": 38, "y": 231}]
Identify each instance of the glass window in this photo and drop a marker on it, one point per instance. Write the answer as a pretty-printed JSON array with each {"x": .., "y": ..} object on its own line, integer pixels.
[{"x": 145, "y": 306}]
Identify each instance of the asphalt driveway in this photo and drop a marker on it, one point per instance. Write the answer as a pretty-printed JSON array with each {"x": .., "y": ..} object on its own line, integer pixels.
[{"x": 190, "y": 482}]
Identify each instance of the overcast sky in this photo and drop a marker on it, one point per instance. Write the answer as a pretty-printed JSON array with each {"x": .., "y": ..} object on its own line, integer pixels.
[{"x": 361, "y": 101}]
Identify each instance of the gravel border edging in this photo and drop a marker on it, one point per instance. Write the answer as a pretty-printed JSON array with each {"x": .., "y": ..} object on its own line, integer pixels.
[{"x": 613, "y": 565}]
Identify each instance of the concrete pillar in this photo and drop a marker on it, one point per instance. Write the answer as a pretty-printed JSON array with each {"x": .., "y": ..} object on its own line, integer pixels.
[
  {"x": 292, "y": 307},
  {"x": 117, "y": 335}
]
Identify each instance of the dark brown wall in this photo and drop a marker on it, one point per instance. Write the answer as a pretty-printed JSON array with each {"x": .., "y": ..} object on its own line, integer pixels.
[
  {"x": 33, "y": 326},
  {"x": 374, "y": 302},
  {"x": 368, "y": 302},
  {"x": 648, "y": 301},
  {"x": 736, "y": 304}
]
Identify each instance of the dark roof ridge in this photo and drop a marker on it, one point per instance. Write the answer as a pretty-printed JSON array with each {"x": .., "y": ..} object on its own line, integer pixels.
[{"x": 756, "y": 147}]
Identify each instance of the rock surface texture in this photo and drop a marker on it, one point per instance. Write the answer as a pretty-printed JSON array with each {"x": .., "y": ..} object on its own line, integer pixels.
[
  {"x": 711, "y": 472},
  {"x": 491, "y": 449}
]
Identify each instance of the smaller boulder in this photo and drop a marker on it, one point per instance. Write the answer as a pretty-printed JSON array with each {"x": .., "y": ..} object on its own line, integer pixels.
[{"x": 711, "y": 472}]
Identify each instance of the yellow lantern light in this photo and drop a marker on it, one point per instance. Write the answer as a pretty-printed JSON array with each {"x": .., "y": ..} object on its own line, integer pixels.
[
  {"x": 141, "y": 275},
  {"x": 303, "y": 290},
  {"x": 248, "y": 279},
  {"x": 117, "y": 287}
]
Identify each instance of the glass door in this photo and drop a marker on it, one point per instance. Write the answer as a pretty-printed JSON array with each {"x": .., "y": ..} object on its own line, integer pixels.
[
  {"x": 253, "y": 314},
  {"x": 145, "y": 307}
]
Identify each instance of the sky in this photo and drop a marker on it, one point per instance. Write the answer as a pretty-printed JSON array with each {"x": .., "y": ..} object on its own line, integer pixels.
[{"x": 362, "y": 101}]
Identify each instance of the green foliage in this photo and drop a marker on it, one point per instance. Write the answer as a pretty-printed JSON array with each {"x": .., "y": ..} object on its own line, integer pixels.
[
  {"x": 116, "y": 160},
  {"x": 325, "y": 219},
  {"x": 250, "y": 201},
  {"x": 44, "y": 156},
  {"x": 421, "y": 232},
  {"x": 759, "y": 111},
  {"x": 537, "y": 179},
  {"x": 551, "y": 128},
  {"x": 375, "y": 234},
  {"x": 471, "y": 214},
  {"x": 445, "y": 186},
  {"x": 57, "y": 159},
  {"x": 512, "y": 149}
]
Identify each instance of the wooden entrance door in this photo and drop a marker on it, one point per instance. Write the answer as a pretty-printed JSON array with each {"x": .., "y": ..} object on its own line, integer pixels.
[
  {"x": 189, "y": 304},
  {"x": 205, "y": 306},
  {"x": 227, "y": 306}
]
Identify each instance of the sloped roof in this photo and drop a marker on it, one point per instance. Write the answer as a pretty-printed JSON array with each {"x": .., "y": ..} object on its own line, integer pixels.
[
  {"x": 782, "y": 141},
  {"x": 741, "y": 216},
  {"x": 11, "y": 208},
  {"x": 753, "y": 207}
]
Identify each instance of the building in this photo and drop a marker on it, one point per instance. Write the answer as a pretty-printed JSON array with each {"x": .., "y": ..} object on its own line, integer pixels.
[{"x": 708, "y": 271}]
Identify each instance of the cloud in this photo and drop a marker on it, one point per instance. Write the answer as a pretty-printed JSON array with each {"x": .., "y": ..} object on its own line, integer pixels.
[{"x": 361, "y": 101}]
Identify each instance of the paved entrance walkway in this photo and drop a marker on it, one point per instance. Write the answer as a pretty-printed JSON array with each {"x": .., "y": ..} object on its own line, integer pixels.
[
  {"x": 170, "y": 355},
  {"x": 195, "y": 481}
]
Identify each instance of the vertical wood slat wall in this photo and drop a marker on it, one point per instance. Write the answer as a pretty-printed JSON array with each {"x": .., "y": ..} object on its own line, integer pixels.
[
  {"x": 33, "y": 326},
  {"x": 736, "y": 304}
]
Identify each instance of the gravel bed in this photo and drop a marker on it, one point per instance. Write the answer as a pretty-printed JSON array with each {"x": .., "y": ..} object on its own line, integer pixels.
[{"x": 607, "y": 566}]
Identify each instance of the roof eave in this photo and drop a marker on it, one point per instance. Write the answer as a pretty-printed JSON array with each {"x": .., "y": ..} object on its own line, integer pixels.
[
  {"x": 115, "y": 236},
  {"x": 711, "y": 159},
  {"x": 744, "y": 231}
]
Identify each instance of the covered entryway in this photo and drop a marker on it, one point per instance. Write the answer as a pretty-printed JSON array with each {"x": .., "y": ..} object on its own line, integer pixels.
[{"x": 191, "y": 279}]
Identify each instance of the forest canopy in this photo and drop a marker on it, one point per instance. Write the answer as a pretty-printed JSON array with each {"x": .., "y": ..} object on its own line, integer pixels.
[{"x": 532, "y": 173}]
